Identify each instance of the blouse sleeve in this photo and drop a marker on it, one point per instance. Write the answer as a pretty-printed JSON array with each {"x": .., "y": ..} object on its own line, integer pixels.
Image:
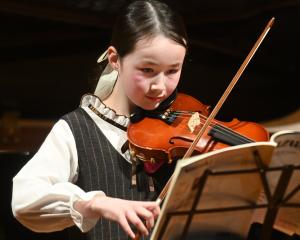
[{"x": 44, "y": 189}]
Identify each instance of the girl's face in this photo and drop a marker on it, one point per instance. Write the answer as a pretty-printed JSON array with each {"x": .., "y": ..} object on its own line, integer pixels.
[{"x": 151, "y": 72}]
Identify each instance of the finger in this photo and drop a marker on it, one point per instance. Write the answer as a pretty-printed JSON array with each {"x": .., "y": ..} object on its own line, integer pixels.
[
  {"x": 125, "y": 225},
  {"x": 150, "y": 223},
  {"x": 151, "y": 205},
  {"x": 144, "y": 212},
  {"x": 155, "y": 210},
  {"x": 147, "y": 215},
  {"x": 137, "y": 222}
]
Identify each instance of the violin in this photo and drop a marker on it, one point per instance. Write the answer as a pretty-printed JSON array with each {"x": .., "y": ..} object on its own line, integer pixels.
[{"x": 164, "y": 136}]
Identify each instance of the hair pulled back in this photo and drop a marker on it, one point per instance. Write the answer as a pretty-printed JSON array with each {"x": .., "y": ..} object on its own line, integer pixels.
[
  {"x": 141, "y": 19},
  {"x": 145, "y": 19}
]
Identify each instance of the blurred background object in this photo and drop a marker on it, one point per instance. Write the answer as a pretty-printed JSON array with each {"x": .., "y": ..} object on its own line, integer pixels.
[{"x": 9, "y": 128}]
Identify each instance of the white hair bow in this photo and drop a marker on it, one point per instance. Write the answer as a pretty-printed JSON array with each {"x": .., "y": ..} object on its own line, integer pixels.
[{"x": 107, "y": 79}]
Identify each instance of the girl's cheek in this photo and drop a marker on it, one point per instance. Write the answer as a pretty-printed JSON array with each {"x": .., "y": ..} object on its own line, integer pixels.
[
  {"x": 140, "y": 82},
  {"x": 172, "y": 85},
  {"x": 138, "y": 77}
]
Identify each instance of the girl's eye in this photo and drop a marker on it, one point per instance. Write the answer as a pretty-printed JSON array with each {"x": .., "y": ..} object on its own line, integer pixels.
[
  {"x": 172, "y": 71},
  {"x": 147, "y": 70}
]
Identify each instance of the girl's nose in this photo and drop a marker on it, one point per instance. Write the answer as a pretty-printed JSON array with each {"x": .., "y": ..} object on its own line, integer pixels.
[{"x": 159, "y": 83}]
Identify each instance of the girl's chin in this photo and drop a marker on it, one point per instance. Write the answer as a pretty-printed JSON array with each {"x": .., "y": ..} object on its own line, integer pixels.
[{"x": 150, "y": 107}]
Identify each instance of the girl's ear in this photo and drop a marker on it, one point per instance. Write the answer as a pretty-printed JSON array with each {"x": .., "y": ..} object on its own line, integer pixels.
[{"x": 113, "y": 58}]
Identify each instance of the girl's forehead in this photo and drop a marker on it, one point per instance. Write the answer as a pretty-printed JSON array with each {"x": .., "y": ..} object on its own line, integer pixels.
[
  {"x": 156, "y": 46},
  {"x": 152, "y": 41}
]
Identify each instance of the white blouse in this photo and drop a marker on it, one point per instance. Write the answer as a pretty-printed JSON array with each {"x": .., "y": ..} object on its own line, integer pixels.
[{"x": 44, "y": 189}]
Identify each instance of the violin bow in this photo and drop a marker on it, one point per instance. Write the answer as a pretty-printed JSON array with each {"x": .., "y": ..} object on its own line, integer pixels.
[
  {"x": 216, "y": 109},
  {"x": 221, "y": 101}
]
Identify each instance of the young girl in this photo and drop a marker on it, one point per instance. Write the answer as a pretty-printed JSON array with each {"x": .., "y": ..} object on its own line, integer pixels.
[{"x": 80, "y": 176}]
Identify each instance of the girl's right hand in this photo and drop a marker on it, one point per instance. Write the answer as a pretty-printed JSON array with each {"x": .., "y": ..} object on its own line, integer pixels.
[{"x": 124, "y": 212}]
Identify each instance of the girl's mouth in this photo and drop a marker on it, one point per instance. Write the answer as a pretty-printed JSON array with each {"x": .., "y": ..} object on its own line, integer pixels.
[{"x": 155, "y": 99}]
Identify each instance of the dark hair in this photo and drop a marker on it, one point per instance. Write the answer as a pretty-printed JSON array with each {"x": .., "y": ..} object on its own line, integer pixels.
[
  {"x": 139, "y": 20},
  {"x": 146, "y": 18}
]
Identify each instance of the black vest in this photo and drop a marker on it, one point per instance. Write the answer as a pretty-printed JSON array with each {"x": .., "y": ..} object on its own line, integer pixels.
[{"x": 101, "y": 167}]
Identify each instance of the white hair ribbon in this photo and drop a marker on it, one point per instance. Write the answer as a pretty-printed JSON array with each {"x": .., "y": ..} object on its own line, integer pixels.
[
  {"x": 103, "y": 57},
  {"x": 107, "y": 79}
]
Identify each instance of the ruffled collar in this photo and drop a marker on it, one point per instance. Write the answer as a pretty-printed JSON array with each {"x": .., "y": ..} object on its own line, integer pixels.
[{"x": 96, "y": 102}]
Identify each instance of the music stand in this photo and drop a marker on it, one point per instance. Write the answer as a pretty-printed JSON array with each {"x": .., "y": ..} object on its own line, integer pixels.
[{"x": 227, "y": 186}]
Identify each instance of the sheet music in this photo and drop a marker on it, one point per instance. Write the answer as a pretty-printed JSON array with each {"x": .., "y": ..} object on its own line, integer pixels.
[{"x": 219, "y": 192}]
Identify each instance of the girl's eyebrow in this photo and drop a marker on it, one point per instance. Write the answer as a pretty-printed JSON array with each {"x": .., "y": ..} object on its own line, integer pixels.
[{"x": 152, "y": 62}]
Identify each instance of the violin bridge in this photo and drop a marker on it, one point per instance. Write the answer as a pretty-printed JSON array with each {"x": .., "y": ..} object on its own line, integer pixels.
[{"x": 194, "y": 121}]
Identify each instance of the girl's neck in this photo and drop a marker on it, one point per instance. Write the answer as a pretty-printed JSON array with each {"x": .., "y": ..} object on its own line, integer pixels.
[{"x": 118, "y": 101}]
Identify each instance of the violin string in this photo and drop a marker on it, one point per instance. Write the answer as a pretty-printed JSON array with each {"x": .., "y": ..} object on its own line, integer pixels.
[
  {"x": 223, "y": 129},
  {"x": 228, "y": 132}
]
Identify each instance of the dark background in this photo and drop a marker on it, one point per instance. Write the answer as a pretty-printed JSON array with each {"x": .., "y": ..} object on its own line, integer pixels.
[{"x": 49, "y": 48}]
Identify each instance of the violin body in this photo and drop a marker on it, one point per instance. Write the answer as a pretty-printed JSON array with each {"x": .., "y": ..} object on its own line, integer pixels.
[{"x": 163, "y": 140}]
